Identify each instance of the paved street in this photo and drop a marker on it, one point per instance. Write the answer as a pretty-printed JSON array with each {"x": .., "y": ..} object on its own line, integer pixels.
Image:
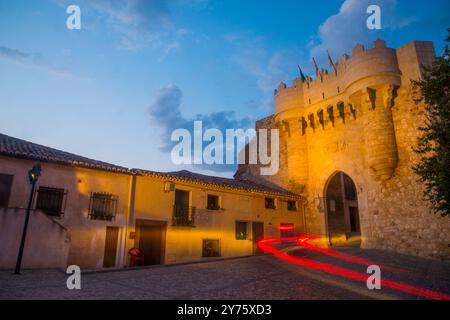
[{"x": 259, "y": 277}]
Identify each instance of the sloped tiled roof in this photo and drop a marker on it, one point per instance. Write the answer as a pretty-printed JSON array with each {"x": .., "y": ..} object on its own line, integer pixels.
[
  {"x": 241, "y": 184},
  {"x": 18, "y": 148}
]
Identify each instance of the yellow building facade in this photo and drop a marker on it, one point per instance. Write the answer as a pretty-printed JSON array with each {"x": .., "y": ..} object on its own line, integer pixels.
[
  {"x": 193, "y": 212},
  {"x": 90, "y": 213}
]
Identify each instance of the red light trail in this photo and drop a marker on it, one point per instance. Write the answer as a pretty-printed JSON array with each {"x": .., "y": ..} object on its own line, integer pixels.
[
  {"x": 265, "y": 244},
  {"x": 286, "y": 228},
  {"x": 348, "y": 257}
]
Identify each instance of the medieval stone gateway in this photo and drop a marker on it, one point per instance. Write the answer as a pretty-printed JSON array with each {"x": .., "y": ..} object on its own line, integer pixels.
[{"x": 358, "y": 122}]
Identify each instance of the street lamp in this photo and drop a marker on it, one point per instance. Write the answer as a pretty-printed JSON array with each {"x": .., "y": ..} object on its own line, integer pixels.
[{"x": 33, "y": 176}]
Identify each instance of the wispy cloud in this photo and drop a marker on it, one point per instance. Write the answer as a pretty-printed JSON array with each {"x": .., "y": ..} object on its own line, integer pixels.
[
  {"x": 33, "y": 60},
  {"x": 143, "y": 23},
  {"x": 267, "y": 66},
  {"x": 253, "y": 56},
  {"x": 165, "y": 112},
  {"x": 340, "y": 32}
]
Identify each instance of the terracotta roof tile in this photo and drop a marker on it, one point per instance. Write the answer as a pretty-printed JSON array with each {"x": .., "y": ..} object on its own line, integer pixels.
[
  {"x": 242, "y": 184},
  {"x": 19, "y": 148}
]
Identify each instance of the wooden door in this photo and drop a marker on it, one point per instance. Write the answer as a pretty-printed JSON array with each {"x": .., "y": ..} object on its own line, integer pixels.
[
  {"x": 257, "y": 234},
  {"x": 112, "y": 236},
  {"x": 350, "y": 205},
  {"x": 151, "y": 243}
]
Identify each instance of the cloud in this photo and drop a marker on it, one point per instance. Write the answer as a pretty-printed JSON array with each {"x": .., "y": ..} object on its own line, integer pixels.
[
  {"x": 253, "y": 56},
  {"x": 143, "y": 23},
  {"x": 268, "y": 67},
  {"x": 165, "y": 112},
  {"x": 340, "y": 32},
  {"x": 32, "y": 60},
  {"x": 138, "y": 15}
]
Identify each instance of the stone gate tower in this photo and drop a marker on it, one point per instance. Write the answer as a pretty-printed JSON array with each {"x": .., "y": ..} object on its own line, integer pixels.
[{"x": 346, "y": 141}]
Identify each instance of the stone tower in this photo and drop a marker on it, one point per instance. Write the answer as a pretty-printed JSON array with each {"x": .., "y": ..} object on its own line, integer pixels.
[{"x": 346, "y": 141}]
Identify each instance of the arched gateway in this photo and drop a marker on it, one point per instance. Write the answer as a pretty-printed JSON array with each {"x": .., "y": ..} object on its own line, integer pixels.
[{"x": 342, "y": 210}]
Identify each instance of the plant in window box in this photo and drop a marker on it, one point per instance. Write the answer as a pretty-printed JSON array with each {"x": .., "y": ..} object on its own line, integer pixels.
[
  {"x": 213, "y": 203},
  {"x": 241, "y": 236}
]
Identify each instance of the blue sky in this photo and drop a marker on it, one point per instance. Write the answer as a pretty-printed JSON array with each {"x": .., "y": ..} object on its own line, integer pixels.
[{"x": 137, "y": 69}]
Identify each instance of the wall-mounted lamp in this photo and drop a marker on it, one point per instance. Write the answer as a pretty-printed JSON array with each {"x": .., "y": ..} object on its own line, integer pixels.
[{"x": 169, "y": 186}]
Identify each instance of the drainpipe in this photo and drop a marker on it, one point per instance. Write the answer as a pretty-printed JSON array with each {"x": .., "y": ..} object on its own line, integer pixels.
[
  {"x": 130, "y": 223},
  {"x": 304, "y": 215}
]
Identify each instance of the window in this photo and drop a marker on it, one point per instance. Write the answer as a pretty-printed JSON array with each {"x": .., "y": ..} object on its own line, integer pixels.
[
  {"x": 50, "y": 200},
  {"x": 103, "y": 206},
  {"x": 183, "y": 214},
  {"x": 5, "y": 189},
  {"x": 211, "y": 248},
  {"x": 213, "y": 202},
  {"x": 270, "y": 203},
  {"x": 292, "y": 205},
  {"x": 241, "y": 230}
]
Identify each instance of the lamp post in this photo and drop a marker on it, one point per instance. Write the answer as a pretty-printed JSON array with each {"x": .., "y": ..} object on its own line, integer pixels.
[{"x": 33, "y": 176}]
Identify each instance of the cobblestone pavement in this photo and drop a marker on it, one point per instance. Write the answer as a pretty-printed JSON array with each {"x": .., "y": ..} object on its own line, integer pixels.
[{"x": 259, "y": 277}]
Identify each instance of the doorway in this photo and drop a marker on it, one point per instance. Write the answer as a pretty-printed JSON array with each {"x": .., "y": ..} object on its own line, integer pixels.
[
  {"x": 150, "y": 239},
  {"x": 112, "y": 236},
  {"x": 181, "y": 198},
  {"x": 257, "y": 234},
  {"x": 342, "y": 211}
]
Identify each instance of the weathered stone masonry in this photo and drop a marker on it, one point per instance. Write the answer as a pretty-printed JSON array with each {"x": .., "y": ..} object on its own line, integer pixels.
[{"x": 360, "y": 119}]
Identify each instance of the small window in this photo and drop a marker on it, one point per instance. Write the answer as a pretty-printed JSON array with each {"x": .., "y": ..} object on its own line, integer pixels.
[
  {"x": 211, "y": 248},
  {"x": 103, "y": 206},
  {"x": 5, "y": 189},
  {"x": 241, "y": 230},
  {"x": 50, "y": 201},
  {"x": 213, "y": 202},
  {"x": 270, "y": 203},
  {"x": 292, "y": 205},
  {"x": 309, "y": 100}
]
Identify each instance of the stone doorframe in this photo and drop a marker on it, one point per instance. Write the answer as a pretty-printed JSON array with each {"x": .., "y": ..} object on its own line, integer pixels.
[{"x": 317, "y": 193}]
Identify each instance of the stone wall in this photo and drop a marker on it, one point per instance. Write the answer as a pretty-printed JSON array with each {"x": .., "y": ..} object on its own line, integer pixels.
[
  {"x": 47, "y": 243},
  {"x": 367, "y": 131}
]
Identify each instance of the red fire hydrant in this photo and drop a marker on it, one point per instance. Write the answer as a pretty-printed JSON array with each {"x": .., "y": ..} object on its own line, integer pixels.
[{"x": 136, "y": 256}]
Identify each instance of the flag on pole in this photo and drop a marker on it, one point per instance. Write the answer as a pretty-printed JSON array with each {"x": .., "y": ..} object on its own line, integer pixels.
[
  {"x": 316, "y": 67},
  {"x": 302, "y": 76},
  {"x": 331, "y": 63}
]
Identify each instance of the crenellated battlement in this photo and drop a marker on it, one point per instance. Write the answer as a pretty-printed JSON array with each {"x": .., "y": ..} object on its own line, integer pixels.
[
  {"x": 357, "y": 94},
  {"x": 364, "y": 68},
  {"x": 361, "y": 126}
]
